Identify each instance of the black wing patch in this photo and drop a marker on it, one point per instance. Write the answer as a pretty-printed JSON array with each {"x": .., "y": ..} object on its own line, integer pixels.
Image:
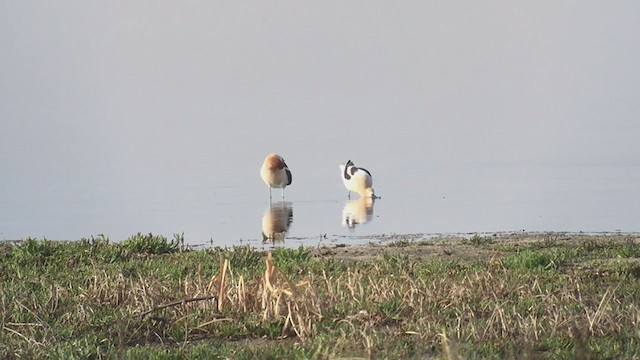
[
  {"x": 289, "y": 177},
  {"x": 346, "y": 170}
]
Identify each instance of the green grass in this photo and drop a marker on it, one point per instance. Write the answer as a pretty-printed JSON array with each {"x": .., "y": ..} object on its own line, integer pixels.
[
  {"x": 478, "y": 240},
  {"x": 153, "y": 244},
  {"x": 149, "y": 297}
]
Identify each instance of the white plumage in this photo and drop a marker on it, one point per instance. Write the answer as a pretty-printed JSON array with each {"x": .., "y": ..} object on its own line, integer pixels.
[{"x": 357, "y": 179}]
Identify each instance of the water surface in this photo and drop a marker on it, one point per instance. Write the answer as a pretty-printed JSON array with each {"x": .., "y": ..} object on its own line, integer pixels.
[
  {"x": 118, "y": 118},
  {"x": 477, "y": 197}
]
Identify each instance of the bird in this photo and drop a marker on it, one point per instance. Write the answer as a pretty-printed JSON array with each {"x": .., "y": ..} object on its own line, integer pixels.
[
  {"x": 357, "y": 179},
  {"x": 275, "y": 173}
]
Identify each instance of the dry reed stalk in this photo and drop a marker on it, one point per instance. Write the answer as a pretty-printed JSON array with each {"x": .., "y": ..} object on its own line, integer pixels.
[
  {"x": 224, "y": 264},
  {"x": 448, "y": 347},
  {"x": 242, "y": 293},
  {"x": 280, "y": 298}
]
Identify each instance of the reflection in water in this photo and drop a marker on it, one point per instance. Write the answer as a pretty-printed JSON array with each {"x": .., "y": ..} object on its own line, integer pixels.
[
  {"x": 357, "y": 211},
  {"x": 276, "y": 221}
]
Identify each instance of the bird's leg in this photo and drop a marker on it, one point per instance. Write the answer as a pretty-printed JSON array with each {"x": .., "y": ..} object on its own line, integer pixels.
[
  {"x": 283, "y": 193},
  {"x": 269, "y": 192},
  {"x": 349, "y": 195}
]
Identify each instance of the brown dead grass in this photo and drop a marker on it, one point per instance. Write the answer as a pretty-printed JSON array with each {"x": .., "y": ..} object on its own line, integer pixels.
[{"x": 421, "y": 299}]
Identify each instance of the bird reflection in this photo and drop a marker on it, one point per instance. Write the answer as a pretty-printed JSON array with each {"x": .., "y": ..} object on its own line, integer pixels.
[
  {"x": 276, "y": 221},
  {"x": 358, "y": 211}
]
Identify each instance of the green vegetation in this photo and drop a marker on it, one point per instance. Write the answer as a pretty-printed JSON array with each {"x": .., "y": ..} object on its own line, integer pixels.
[
  {"x": 478, "y": 240},
  {"x": 153, "y": 244},
  {"x": 150, "y": 298}
]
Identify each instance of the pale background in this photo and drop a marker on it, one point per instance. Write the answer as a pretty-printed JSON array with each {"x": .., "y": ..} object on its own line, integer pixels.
[{"x": 120, "y": 116}]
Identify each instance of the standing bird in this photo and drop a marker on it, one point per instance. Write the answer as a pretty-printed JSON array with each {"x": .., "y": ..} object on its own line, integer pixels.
[
  {"x": 275, "y": 173},
  {"x": 357, "y": 179}
]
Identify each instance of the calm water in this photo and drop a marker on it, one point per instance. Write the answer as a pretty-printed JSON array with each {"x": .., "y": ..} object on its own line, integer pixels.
[
  {"x": 476, "y": 197},
  {"x": 117, "y": 119}
]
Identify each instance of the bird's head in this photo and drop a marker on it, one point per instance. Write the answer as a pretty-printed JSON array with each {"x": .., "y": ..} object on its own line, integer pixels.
[{"x": 370, "y": 193}]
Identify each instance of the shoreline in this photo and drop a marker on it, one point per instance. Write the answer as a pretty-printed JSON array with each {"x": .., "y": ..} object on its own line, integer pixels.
[
  {"x": 470, "y": 247},
  {"x": 342, "y": 241}
]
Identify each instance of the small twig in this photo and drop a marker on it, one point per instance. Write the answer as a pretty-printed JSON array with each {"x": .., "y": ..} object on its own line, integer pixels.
[
  {"x": 174, "y": 303},
  {"x": 24, "y": 324},
  {"x": 22, "y": 336},
  {"x": 212, "y": 321}
]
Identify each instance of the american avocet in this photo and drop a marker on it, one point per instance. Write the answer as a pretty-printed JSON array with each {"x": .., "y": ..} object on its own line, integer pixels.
[
  {"x": 276, "y": 221},
  {"x": 275, "y": 173},
  {"x": 357, "y": 179}
]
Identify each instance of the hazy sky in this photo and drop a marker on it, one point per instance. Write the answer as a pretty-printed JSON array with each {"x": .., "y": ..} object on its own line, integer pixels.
[{"x": 106, "y": 88}]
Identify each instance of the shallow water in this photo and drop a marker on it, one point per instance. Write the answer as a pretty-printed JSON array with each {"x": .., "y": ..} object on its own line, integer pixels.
[
  {"x": 472, "y": 198},
  {"x": 115, "y": 119}
]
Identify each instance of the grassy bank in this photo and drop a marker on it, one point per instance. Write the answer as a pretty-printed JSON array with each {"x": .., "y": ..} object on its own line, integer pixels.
[{"x": 483, "y": 297}]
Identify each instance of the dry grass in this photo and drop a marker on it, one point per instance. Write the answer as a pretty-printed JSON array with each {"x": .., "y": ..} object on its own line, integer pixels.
[{"x": 551, "y": 302}]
